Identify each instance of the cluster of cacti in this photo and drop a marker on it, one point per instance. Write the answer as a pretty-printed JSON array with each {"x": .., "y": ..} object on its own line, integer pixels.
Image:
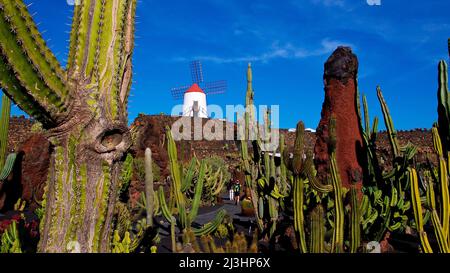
[
  {"x": 384, "y": 205},
  {"x": 350, "y": 219},
  {"x": 10, "y": 241},
  {"x": 180, "y": 204},
  {"x": 206, "y": 244},
  {"x": 213, "y": 179},
  {"x": 216, "y": 176},
  {"x": 434, "y": 181},
  {"x": 262, "y": 177}
]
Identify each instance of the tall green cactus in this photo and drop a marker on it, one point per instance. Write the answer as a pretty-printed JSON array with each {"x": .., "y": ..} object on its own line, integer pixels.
[
  {"x": 149, "y": 191},
  {"x": 355, "y": 221},
  {"x": 84, "y": 109},
  {"x": 392, "y": 133},
  {"x": 4, "y": 127},
  {"x": 317, "y": 238},
  {"x": 417, "y": 208},
  {"x": 444, "y": 106},
  {"x": 338, "y": 231}
]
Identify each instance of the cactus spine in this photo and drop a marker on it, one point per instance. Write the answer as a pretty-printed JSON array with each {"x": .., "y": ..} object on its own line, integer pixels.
[{"x": 149, "y": 191}]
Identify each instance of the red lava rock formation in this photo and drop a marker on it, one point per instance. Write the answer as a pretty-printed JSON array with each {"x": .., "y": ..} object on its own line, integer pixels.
[
  {"x": 340, "y": 75},
  {"x": 29, "y": 175},
  {"x": 35, "y": 154}
]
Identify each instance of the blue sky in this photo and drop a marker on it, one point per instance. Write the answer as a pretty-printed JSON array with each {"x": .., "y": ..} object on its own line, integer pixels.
[{"x": 398, "y": 45}]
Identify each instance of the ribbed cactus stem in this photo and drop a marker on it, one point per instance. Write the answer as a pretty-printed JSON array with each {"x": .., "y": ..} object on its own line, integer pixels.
[
  {"x": 317, "y": 238},
  {"x": 389, "y": 124},
  {"x": 176, "y": 175},
  {"x": 417, "y": 208},
  {"x": 299, "y": 149},
  {"x": 197, "y": 194},
  {"x": 149, "y": 191},
  {"x": 299, "y": 218},
  {"x": 4, "y": 127},
  {"x": 443, "y": 105},
  {"x": 355, "y": 221},
  {"x": 443, "y": 182},
  {"x": 338, "y": 233}
]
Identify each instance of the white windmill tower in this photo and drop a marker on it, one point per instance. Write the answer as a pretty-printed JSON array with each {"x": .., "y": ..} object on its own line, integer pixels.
[{"x": 195, "y": 103}]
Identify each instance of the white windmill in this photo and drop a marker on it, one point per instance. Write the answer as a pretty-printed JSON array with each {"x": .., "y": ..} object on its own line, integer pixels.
[{"x": 195, "y": 103}]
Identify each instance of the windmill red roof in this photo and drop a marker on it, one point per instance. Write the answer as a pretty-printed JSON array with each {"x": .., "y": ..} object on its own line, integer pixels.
[{"x": 194, "y": 88}]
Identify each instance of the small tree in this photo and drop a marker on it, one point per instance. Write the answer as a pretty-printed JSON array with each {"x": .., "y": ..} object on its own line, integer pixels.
[{"x": 83, "y": 109}]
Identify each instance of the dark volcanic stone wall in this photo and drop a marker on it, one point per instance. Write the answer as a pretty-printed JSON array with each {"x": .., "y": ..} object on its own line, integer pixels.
[{"x": 149, "y": 131}]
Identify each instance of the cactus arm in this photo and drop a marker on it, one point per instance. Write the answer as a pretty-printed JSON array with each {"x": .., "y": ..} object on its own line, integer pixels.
[
  {"x": 355, "y": 221},
  {"x": 298, "y": 213},
  {"x": 7, "y": 168},
  {"x": 101, "y": 46},
  {"x": 167, "y": 214},
  {"x": 338, "y": 233},
  {"x": 310, "y": 174},
  {"x": 187, "y": 178},
  {"x": 389, "y": 124},
  {"x": 13, "y": 88},
  {"x": 176, "y": 178},
  {"x": 197, "y": 195},
  {"x": 443, "y": 181},
  {"x": 149, "y": 191},
  {"x": 317, "y": 238},
  {"x": 4, "y": 126},
  {"x": 417, "y": 207},
  {"x": 366, "y": 116},
  {"x": 211, "y": 226},
  {"x": 27, "y": 73},
  {"x": 33, "y": 47},
  {"x": 443, "y": 104},
  {"x": 440, "y": 233}
]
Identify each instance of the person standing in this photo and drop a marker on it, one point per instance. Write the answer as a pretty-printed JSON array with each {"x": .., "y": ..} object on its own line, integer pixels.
[
  {"x": 237, "y": 191},
  {"x": 231, "y": 190}
]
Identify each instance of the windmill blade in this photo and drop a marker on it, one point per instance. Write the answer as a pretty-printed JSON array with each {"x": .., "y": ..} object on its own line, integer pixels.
[
  {"x": 178, "y": 92},
  {"x": 196, "y": 72},
  {"x": 217, "y": 87}
]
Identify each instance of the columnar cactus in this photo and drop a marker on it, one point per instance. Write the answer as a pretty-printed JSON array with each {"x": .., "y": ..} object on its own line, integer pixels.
[
  {"x": 4, "y": 126},
  {"x": 84, "y": 109},
  {"x": 149, "y": 191},
  {"x": 443, "y": 106}
]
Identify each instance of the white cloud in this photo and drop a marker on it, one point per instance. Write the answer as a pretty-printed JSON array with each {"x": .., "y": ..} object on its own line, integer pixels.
[{"x": 277, "y": 51}]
